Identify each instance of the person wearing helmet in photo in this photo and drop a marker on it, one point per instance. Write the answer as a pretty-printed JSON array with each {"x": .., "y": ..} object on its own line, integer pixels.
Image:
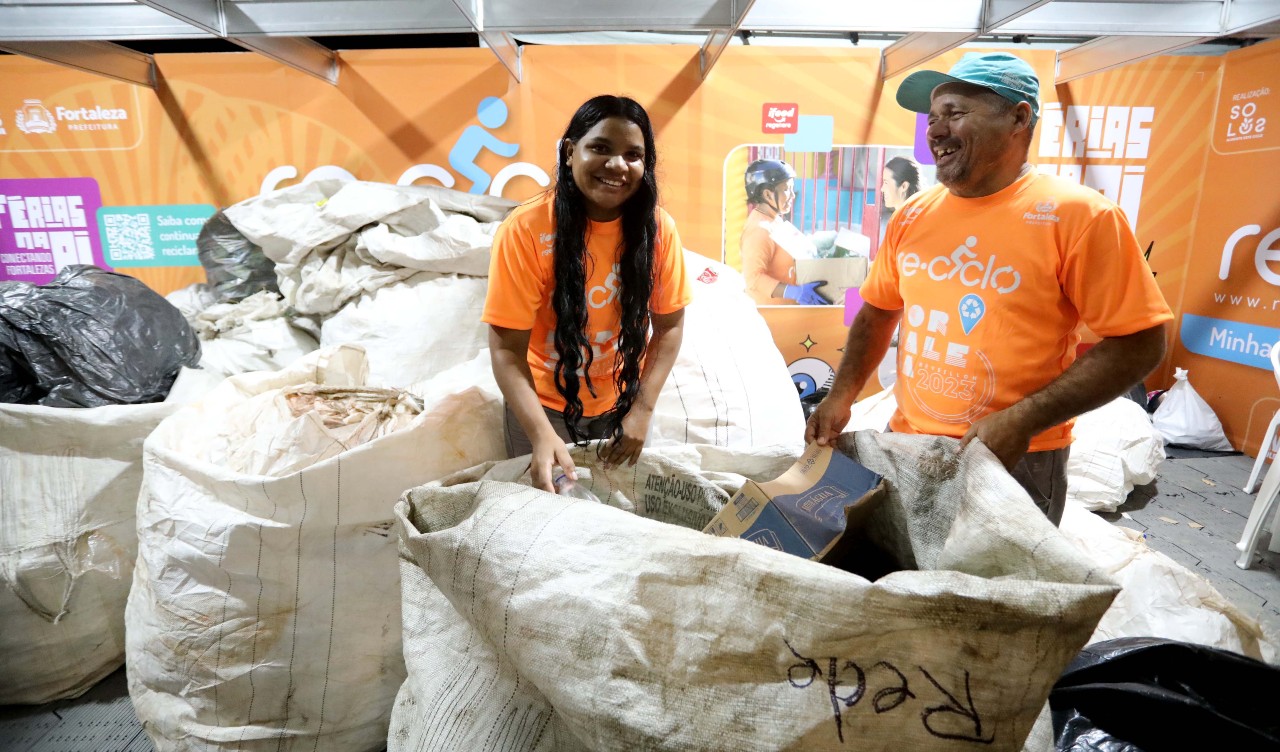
[{"x": 770, "y": 243}]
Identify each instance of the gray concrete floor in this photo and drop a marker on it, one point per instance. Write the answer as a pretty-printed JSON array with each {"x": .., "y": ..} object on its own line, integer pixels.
[{"x": 1204, "y": 490}]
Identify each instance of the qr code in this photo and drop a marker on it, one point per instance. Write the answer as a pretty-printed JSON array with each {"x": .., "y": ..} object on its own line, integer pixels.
[{"x": 129, "y": 237}]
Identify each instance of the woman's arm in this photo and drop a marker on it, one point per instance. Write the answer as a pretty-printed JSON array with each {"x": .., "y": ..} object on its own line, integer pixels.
[
  {"x": 508, "y": 349},
  {"x": 664, "y": 346}
]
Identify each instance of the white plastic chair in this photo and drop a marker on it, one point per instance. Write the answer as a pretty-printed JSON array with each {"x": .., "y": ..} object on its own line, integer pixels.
[
  {"x": 1270, "y": 435},
  {"x": 1264, "y": 506}
]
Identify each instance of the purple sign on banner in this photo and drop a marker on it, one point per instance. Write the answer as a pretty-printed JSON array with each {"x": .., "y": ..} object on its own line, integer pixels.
[
  {"x": 47, "y": 224},
  {"x": 923, "y": 154},
  {"x": 852, "y": 304}
]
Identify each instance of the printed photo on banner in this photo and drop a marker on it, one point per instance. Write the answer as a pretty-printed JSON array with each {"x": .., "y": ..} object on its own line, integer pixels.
[{"x": 803, "y": 227}]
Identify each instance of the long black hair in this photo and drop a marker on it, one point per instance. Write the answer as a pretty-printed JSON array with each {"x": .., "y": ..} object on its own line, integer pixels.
[{"x": 569, "y": 300}]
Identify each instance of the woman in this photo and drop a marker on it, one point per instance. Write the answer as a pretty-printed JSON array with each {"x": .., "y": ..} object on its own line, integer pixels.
[
  {"x": 899, "y": 181},
  {"x": 770, "y": 243},
  {"x": 578, "y": 277}
]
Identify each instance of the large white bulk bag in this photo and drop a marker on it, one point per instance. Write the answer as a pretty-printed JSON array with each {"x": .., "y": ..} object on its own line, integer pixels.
[
  {"x": 69, "y": 480},
  {"x": 1115, "y": 448},
  {"x": 1160, "y": 597},
  {"x": 413, "y": 330},
  {"x": 729, "y": 385},
  {"x": 542, "y": 622},
  {"x": 333, "y": 241},
  {"x": 265, "y": 608},
  {"x": 253, "y": 334}
]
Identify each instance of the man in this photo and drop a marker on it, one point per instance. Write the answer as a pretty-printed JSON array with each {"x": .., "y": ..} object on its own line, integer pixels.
[{"x": 995, "y": 268}]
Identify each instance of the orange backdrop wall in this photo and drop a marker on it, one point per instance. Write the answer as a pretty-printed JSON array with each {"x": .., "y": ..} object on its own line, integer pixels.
[{"x": 1153, "y": 136}]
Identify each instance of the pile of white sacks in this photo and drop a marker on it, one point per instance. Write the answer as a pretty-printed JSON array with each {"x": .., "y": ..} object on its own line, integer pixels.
[{"x": 265, "y": 608}]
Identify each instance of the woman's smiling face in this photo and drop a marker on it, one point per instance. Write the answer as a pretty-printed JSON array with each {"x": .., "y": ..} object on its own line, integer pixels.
[{"x": 608, "y": 165}]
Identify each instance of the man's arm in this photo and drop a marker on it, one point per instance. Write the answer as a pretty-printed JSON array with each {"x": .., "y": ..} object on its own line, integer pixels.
[
  {"x": 1103, "y": 373},
  {"x": 868, "y": 341}
]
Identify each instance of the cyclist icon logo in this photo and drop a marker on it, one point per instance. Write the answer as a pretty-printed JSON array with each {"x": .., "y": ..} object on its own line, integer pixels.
[{"x": 492, "y": 113}]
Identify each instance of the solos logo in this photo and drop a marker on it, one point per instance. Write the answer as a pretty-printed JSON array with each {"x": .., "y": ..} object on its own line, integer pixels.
[
  {"x": 780, "y": 118},
  {"x": 1245, "y": 123},
  {"x": 34, "y": 117}
]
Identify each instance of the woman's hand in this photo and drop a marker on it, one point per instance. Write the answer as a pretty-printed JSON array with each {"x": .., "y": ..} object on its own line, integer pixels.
[
  {"x": 549, "y": 450},
  {"x": 635, "y": 429}
]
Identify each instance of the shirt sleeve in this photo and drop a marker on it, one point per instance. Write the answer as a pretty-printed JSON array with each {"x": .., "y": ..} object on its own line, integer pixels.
[
  {"x": 880, "y": 288},
  {"x": 757, "y": 254},
  {"x": 672, "y": 290},
  {"x": 515, "y": 277},
  {"x": 1108, "y": 281}
]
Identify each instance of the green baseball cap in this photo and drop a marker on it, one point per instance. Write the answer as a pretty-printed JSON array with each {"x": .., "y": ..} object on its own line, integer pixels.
[{"x": 1007, "y": 75}]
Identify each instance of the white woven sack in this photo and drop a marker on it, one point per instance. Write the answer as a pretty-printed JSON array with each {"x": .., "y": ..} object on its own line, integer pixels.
[
  {"x": 253, "y": 334},
  {"x": 334, "y": 240},
  {"x": 265, "y": 610},
  {"x": 539, "y": 622},
  {"x": 1160, "y": 597},
  {"x": 1185, "y": 419},
  {"x": 69, "y": 480},
  {"x": 729, "y": 385},
  {"x": 413, "y": 330},
  {"x": 1114, "y": 449}
]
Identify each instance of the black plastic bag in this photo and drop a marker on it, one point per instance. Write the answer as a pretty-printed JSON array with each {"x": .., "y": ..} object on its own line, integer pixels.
[
  {"x": 90, "y": 338},
  {"x": 1143, "y": 694},
  {"x": 234, "y": 266}
]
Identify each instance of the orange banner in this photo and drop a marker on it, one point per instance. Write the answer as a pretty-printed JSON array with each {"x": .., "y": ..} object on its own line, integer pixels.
[
  {"x": 1229, "y": 310},
  {"x": 102, "y": 159}
]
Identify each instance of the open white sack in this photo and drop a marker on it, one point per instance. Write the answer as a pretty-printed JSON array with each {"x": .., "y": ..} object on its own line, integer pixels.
[
  {"x": 1185, "y": 419},
  {"x": 265, "y": 609},
  {"x": 1114, "y": 449},
  {"x": 1160, "y": 597},
  {"x": 69, "y": 480},
  {"x": 253, "y": 334},
  {"x": 541, "y": 622},
  {"x": 333, "y": 240},
  {"x": 729, "y": 385},
  {"x": 413, "y": 330}
]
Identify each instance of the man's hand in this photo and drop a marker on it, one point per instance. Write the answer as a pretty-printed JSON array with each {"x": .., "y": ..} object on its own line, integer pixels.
[
  {"x": 635, "y": 429},
  {"x": 1005, "y": 433},
  {"x": 828, "y": 419},
  {"x": 549, "y": 451}
]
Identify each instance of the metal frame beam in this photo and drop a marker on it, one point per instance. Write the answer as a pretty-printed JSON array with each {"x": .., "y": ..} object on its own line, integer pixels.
[
  {"x": 504, "y": 47},
  {"x": 915, "y": 49},
  {"x": 718, "y": 39},
  {"x": 299, "y": 53},
  {"x": 997, "y": 13},
  {"x": 101, "y": 58},
  {"x": 1105, "y": 53},
  {"x": 52, "y": 22},
  {"x": 1242, "y": 15}
]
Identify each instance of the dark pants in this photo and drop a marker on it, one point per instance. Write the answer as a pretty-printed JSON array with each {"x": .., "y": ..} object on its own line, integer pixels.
[
  {"x": 518, "y": 443},
  {"x": 1044, "y": 476}
]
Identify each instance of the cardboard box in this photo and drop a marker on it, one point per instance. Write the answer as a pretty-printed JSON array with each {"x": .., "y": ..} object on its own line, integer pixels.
[
  {"x": 839, "y": 273},
  {"x": 808, "y": 509}
]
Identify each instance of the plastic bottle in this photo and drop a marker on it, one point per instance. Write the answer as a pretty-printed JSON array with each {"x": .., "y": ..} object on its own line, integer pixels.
[{"x": 566, "y": 486}]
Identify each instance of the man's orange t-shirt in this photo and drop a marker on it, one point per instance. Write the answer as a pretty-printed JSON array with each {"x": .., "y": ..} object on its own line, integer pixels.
[
  {"x": 993, "y": 290},
  {"x": 522, "y": 280}
]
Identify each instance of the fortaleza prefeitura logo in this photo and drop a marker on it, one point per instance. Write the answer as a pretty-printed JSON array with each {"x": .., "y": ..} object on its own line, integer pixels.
[{"x": 35, "y": 117}]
